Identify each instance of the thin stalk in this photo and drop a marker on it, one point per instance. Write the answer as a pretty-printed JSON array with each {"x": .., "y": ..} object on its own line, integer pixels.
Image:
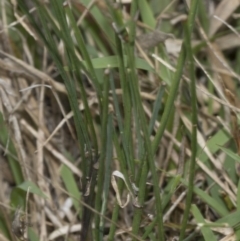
[
  {"x": 126, "y": 135},
  {"x": 170, "y": 101},
  {"x": 188, "y": 30},
  {"x": 148, "y": 148},
  {"x": 139, "y": 142},
  {"x": 116, "y": 106},
  {"x": 156, "y": 107},
  {"x": 107, "y": 175},
  {"x": 73, "y": 65},
  {"x": 121, "y": 185},
  {"x": 70, "y": 54},
  {"x": 169, "y": 190},
  {"x": 115, "y": 215},
  {"x": 101, "y": 176},
  {"x": 149, "y": 152},
  {"x": 93, "y": 78},
  {"x": 86, "y": 56},
  {"x": 141, "y": 198},
  {"x": 89, "y": 199},
  {"x": 121, "y": 152},
  {"x": 123, "y": 166},
  {"x": 46, "y": 36}
]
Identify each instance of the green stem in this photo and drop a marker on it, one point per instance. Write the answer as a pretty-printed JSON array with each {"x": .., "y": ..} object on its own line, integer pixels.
[
  {"x": 101, "y": 176},
  {"x": 188, "y": 30},
  {"x": 169, "y": 104}
]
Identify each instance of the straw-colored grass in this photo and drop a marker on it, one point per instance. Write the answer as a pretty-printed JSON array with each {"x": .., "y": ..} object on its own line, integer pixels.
[{"x": 119, "y": 121}]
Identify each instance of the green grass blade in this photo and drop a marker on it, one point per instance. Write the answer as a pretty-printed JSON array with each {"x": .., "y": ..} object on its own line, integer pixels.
[
  {"x": 71, "y": 186},
  {"x": 126, "y": 104},
  {"x": 144, "y": 126},
  {"x": 86, "y": 56},
  {"x": 232, "y": 219},
  {"x": 102, "y": 22},
  {"x": 146, "y": 13},
  {"x": 46, "y": 35},
  {"x": 101, "y": 176},
  {"x": 141, "y": 198},
  {"x": 4, "y": 229},
  {"x": 168, "y": 193},
  {"x": 32, "y": 188},
  {"x": 13, "y": 163},
  {"x": 230, "y": 153},
  {"x": 238, "y": 196},
  {"x": 188, "y": 30},
  {"x": 170, "y": 100},
  {"x": 113, "y": 62},
  {"x": 213, "y": 203},
  {"x": 32, "y": 235},
  {"x": 206, "y": 231},
  {"x": 123, "y": 168},
  {"x": 156, "y": 107},
  {"x": 109, "y": 153}
]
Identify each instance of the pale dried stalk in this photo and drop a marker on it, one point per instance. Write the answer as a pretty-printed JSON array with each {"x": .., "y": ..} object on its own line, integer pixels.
[
  {"x": 40, "y": 164},
  {"x": 52, "y": 150},
  {"x": 17, "y": 137}
]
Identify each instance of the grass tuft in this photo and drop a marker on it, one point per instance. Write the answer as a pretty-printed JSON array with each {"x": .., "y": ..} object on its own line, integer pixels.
[{"x": 119, "y": 121}]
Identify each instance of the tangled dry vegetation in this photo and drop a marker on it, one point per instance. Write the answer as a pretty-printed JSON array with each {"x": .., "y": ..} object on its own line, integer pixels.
[{"x": 40, "y": 154}]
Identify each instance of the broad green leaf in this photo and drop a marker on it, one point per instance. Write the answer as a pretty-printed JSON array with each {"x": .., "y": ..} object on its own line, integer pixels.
[
  {"x": 147, "y": 14},
  {"x": 27, "y": 185},
  {"x": 233, "y": 219},
  {"x": 18, "y": 197},
  {"x": 71, "y": 185},
  {"x": 213, "y": 203},
  {"x": 3, "y": 227},
  {"x": 233, "y": 155},
  {"x": 206, "y": 231},
  {"x": 112, "y": 62},
  {"x": 32, "y": 235}
]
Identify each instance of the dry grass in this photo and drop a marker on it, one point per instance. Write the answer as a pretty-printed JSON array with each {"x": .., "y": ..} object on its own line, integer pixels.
[{"x": 38, "y": 122}]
